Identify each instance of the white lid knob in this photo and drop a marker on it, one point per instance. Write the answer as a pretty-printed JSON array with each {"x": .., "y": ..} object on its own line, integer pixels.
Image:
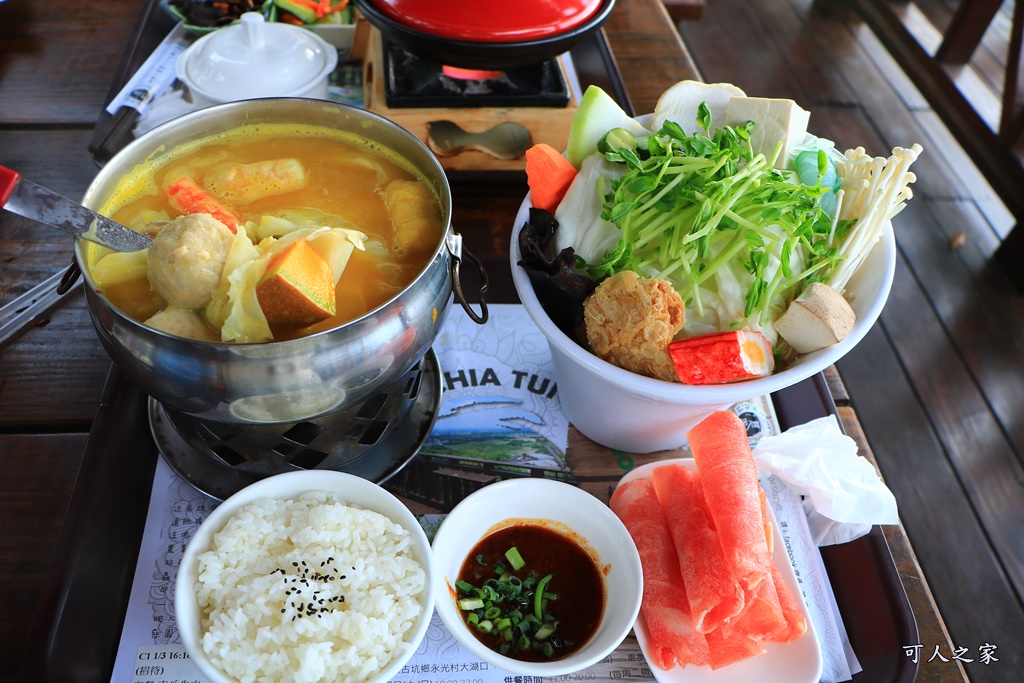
[{"x": 252, "y": 23}]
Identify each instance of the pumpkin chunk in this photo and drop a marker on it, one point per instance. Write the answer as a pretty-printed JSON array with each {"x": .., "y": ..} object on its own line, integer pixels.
[{"x": 297, "y": 288}]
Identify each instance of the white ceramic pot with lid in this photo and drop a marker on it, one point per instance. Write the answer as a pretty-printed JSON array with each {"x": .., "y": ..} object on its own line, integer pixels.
[{"x": 255, "y": 59}]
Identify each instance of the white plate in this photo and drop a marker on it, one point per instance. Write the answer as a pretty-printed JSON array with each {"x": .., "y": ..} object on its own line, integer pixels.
[{"x": 798, "y": 661}]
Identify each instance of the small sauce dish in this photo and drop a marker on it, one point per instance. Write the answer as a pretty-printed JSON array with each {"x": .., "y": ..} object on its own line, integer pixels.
[{"x": 562, "y": 508}]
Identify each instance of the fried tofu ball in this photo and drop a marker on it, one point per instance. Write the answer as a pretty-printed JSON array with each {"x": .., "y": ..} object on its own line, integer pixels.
[
  {"x": 186, "y": 258},
  {"x": 631, "y": 320}
]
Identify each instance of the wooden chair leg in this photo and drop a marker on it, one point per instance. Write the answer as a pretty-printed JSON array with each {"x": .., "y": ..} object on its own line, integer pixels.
[
  {"x": 684, "y": 10},
  {"x": 969, "y": 23},
  {"x": 1010, "y": 257},
  {"x": 1011, "y": 123}
]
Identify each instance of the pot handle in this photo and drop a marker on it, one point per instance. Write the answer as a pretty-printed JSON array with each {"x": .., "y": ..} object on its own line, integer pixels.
[{"x": 457, "y": 251}]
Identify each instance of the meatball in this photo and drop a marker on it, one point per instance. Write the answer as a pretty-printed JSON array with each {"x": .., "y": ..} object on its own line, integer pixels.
[
  {"x": 186, "y": 259},
  {"x": 630, "y": 322}
]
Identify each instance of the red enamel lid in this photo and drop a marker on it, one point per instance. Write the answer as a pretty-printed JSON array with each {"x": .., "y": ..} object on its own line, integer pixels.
[{"x": 491, "y": 21}]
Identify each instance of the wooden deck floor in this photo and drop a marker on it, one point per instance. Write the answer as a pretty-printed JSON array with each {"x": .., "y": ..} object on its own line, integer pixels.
[{"x": 939, "y": 383}]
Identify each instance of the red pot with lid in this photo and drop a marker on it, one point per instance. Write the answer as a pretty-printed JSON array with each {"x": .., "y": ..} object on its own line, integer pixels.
[{"x": 486, "y": 34}]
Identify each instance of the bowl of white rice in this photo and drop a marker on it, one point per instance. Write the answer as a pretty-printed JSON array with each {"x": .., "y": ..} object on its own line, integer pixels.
[{"x": 306, "y": 576}]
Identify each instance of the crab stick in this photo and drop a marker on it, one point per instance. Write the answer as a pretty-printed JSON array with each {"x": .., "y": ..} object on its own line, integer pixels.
[
  {"x": 722, "y": 357},
  {"x": 188, "y": 197}
]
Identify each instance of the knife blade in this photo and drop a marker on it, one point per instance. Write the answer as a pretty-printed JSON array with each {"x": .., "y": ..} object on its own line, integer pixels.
[{"x": 27, "y": 199}]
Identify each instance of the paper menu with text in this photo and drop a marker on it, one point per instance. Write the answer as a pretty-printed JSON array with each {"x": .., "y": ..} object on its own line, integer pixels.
[{"x": 499, "y": 386}]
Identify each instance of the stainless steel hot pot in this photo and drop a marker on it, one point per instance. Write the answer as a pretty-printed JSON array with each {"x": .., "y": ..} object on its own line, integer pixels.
[{"x": 284, "y": 381}]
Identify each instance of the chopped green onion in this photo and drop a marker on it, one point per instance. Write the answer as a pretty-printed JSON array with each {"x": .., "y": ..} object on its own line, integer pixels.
[
  {"x": 511, "y": 608},
  {"x": 514, "y": 558},
  {"x": 539, "y": 596},
  {"x": 470, "y": 604},
  {"x": 544, "y": 631}
]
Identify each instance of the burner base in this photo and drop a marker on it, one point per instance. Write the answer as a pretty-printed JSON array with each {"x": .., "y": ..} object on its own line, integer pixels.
[
  {"x": 414, "y": 82},
  {"x": 373, "y": 440},
  {"x": 471, "y": 137}
]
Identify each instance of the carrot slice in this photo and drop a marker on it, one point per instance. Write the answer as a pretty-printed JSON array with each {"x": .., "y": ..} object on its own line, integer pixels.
[
  {"x": 664, "y": 607},
  {"x": 732, "y": 493},
  {"x": 714, "y": 593},
  {"x": 549, "y": 175}
]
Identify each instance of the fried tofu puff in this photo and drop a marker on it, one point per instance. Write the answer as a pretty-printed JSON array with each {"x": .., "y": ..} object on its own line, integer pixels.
[
  {"x": 630, "y": 321},
  {"x": 415, "y": 216}
]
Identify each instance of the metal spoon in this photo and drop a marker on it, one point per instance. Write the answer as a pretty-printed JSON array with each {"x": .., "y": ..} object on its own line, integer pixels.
[{"x": 32, "y": 201}]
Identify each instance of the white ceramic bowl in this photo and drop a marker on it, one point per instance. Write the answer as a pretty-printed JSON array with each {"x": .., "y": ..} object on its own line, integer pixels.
[
  {"x": 350, "y": 489},
  {"x": 498, "y": 505},
  {"x": 256, "y": 59},
  {"x": 626, "y": 411}
]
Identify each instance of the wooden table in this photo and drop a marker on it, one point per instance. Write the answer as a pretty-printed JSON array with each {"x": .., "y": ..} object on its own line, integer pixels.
[{"x": 59, "y": 61}]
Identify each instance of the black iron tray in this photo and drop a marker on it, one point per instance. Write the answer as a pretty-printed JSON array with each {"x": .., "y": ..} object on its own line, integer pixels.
[{"x": 78, "y": 624}]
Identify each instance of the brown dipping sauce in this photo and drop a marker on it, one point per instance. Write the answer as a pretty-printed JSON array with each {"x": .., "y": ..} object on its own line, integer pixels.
[{"x": 577, "y": 580}]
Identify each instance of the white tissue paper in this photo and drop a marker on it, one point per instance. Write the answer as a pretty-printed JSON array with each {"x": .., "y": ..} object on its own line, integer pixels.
[{"x": 843, "y": 495}]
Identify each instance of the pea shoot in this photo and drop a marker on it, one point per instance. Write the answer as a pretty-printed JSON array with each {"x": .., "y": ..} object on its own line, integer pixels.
[{"x": 705, "y": 213}]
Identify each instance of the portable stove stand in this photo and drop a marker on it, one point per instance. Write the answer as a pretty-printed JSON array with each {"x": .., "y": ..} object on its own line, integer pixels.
[
  {"x": 373, "y": 439},
  {"x": 493, "y": 135}
]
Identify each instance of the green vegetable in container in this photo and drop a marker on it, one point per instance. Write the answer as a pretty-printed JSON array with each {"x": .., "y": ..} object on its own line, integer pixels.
[{"x": 723, "y": 225}]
